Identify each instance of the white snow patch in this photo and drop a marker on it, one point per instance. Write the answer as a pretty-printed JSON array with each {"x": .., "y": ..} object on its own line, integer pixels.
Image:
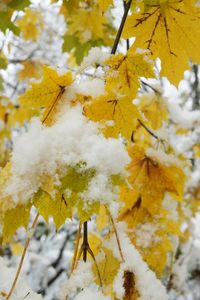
[
  {"x": 22, "y": 289},
  {"x": 42, "y": 151}
]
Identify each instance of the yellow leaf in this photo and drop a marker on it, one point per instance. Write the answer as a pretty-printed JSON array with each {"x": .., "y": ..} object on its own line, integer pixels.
[
  {"x": 108, "y": 266},
  {"x": 150, "y": 179},
  {"x": 47, "y": 93},
  {"x": 119, "y": 110},
  {"x": 102, "y": 218},
  {"x": 125, "y": 71},
  {"x": 170, "y": 30},
  {"x": 87, "y": 24},
  {"x": 196, "y": 149},
  {"x": 30, "y": 24},
  {"x": 56, "y": 208},
  {"x": 15, "y": 218},
  {"x": 17, "y": 248},
  {"x": 95, "y": 243},
  {"x": 154, "y": 109},
  {"x": 30, "y": 70},
  {"x": 104, "y": 4}
]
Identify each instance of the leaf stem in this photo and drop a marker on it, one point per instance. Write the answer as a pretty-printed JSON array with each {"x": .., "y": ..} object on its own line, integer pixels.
[
  {"x": 148, "y": 130},
  {"x": 118, "y": 36},
  {"x": 76, "y": 247},
  {"x": 22, "y": 257},
  {"x": 116, "y": 235}
]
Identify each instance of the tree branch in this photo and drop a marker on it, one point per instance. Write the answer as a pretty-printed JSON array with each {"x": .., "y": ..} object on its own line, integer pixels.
[{"x": 117, "y": 39}]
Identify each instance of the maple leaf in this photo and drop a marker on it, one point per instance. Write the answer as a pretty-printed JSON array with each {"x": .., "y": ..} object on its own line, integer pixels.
[
  {"x": 150, "y": 179},
  {"x": 49, "y": 207},
  {"x": 119, "y": 110},
  {"x": 154, "y": 109},
  {"x": 156, "y": 248},
  {"x": 108, "y": 266},
  {"x": 63, "y": 200},
  {"x": 104, "y": 4},
  {"x": 30, "y": 69},
  {"x": 170, "y": 30},
  {"x": 30, "y": 24},
  {"x": 15, "y": 218},
  {"x": 47, "y": 93},
  {"x": 87, "y": 25},
  {"x": 125, "y": 71}
]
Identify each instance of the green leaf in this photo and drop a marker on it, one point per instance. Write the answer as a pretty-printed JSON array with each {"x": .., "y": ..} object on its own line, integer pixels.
[
  {"x": 3, "y": 63},
  {"x": 57, "y": 208},
  {"x": 81, "y": 50},
  {"x": 76, "y": 180},
  {"x": 5, "y": 23},
  {"x": 19, "y": 4}
]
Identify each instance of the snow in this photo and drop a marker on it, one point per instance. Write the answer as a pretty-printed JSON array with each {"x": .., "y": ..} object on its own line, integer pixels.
[
  {"x": 81, "y": 277},
  {"x": 42, "y": 151},
  {"x": 145, "y": 235},
  {"x": 146, "y": 282},
  {"x": 95, "y": 56},
  {"x": 92, "y": 87},
  {"x": 91, "y": 294},
  {"x": 22, "y": 289},
  {"x": 163, "y": 158}
]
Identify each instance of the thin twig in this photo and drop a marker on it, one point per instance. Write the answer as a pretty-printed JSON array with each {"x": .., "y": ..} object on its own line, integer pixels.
[
  {"x": 85, "y": 248},
  {"x": 116, "y": 235},
  {"x": 22, "y": 257},
  {"x": 119, "y": 33},
  {"x": 127, "y": 41},
  {"x": 76, "y": 248},
  {"x": 151, "y": 87},
  {"x": 148, "y": 130}
]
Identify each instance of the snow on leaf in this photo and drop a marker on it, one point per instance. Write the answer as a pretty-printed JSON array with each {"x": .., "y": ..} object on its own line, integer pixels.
[
  {"x": 108, "y": 266},
  {"x": 154, "y": 109},
  {"x": 15, "y": 218},
  {"x": 150, "y": 179},
  {"x": 47, "y": 93},
  {"x": 170, "y": 30},
  {"x": 30, "y": 24},
  {"x": 125, "y": 71},
  {"x": 119, "y": 110}
]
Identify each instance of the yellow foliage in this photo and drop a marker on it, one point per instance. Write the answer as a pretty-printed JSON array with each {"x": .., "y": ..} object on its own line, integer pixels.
[
  {"x": 17, "y": 248},
  {"x": 47, "y": 93},
  {"x": 95, "y": 243},
  {"x": 15, "y": 218},
  {"x": 104, "y": 4},
  {"x": 154, "y": 109},
  {"x": 30, "y": 69},
  {"x": 56, "y": 208},
  {"x": 150, "y": 179},
  {"x": 88, "y": 25},
  {"x": 170, "y": 30},
  {"x": 196, "y": 150},
  {"x": 120, "y": 111},
  {"x": 102, "y": 218},
  {"x": 30, "y": 24},
  {"x": 108, "y": 266},
  {"x": 125, "y": 71}
]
